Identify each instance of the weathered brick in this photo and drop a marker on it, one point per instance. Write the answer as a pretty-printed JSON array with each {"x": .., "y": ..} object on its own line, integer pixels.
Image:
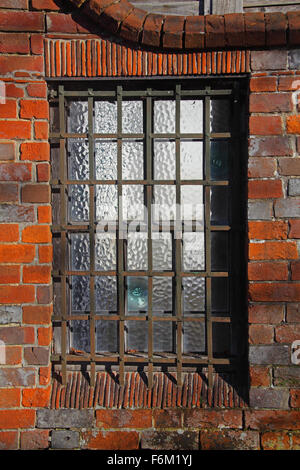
[
  {"x": 16, "y": 213},
  {"x": 115, "y": 440},
  {"x": 36, "y": 355},
  {"x": 268, "y": 314},
  {"x": 65, "y": 418},
  {"x": 289, "y": 207},
  {"x": 45, "y": 375},
  {"x": 17, "y": 419},
  {"x": 10, "y": 398},
  {"x": 21, "y": 21},
  {"x": 275, "y": 292},
  {"x": 167, "y": 418},
  {"x": 10, "y": 314},
  {"x": 13, "y": 355},
  {"x": 287, "y": 333},
  {"x": 15, "y": 171},
  {"x": 295, "y": 437},
  {"x": 7, "y": 150},
  {"x": 262, "y": 210},
  {"x": 36, "y": 315},
  {"x": 36, "y": 234},
  {"x": 123, "y": 418},
  {"x": 44, "y": 5},
  {"x": 275, "y": 440},
  {"x": 295, "y": 270},
  {"x": 295, "y": 398},
  {"x": 35, "y": 193},
  {"x": 273, "y": 250},
  {"x": 294, "y": 187},
  {"x": 43, "y": 294},
  {"x": 294, "y": 229},
  {"x": 44, "y": 336},
  {"x": 13, "y": 90},
  {"x": 293, "y": 313},
  {"x": 260, "y": 167},
  {"x": 8, "y": 440},
  {"x": 287, "y": 376},
  {"x": 288, "y": 83},
  {"x": 39, "y": 274},
  {"x": 272, "y": 419},
  {"x": 269, "y": 398},
  {"x": 260, "y": 84},
  {"x": 61, "y": 23},
  {"x": 264, "y": 189},
  {"x": 270, "y": 103},
  {"x": 37, "y": 44},
  {"x": 261, "y": 334},
  {"x": 35, "y": 440},
  {"x": 229, "y": 439},
  {"x": 265, "y": 125},
  {"x": 170, "y": 440},
  {"x": 14, "y": 43},
  {"x": 17, "y": 377},
  {"x": 17, "y": 294},
  {"x": 214, "y": 29},
  {"x": 268, "y": 271},
  {"x": 200, "y": 418},
  {"x": 269, "y": 146},
  {"x": 36, "y": 397},
  {"x": 269, "y": 354},
  {"x": 289, "y": 166},
  {"x": 43, "y": 172},
  {"x": 267, "y": 230},
  {"x": 15, "y": 4},
  {"x": 260, "y": 376},
  {"x": 17, "y": 335},
  {"x": 269, "y": 60},
  {"x": 64, "y": 439}
]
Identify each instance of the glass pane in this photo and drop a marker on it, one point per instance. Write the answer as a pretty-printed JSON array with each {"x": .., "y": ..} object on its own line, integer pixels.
[
  {"x": 106, "y": 159},
  {"x": 191, "y": 116},
  {"x": 219, "y": 251},
  {"x": 162, "y": 251},
  {"x": 191, "y": 160},
  {"x": 219, "y": 160},
  {"x": 193, "y": 251},
  {"x": 162, "y": 295},
  {"x": 165, "y": 202},
  {"x": 106, "y": 336},
  {"x": 219, "y": 294},
  {"x": 80, "y": 251},
  {"x": 192, "y": 203},
  {"x": 137, "y": 251},
  {"x": 164, "y": 160},
  {"x": 105, "y": 118},
  {"x": 132, "y": 117},
  {"x": 162, "y": 336},
  {"x": 106, "y": 294},
  {"x": 137, "y": 294},
  {"x": 221, "y": 338},
  {"x": 105, "y": 251},
  {"x": 219, "y": 205},
  {"x": 137, "y": 336},
  {"x": 133, "y": 202},
  {"x": 193, "y": 294},
  {"x": 78, "y": 159},
  {"x": 106, "y": 202},
  {"x": 164, "y": 117},
  {"x": 220, "y": 116},
  {"x": 80, "y": 294},
  {"x": 78, "y": 203},
  {"x": 194, "y": 337},
  {"x": 80, "y": 336},
  {"x": 132, "y": 160},
  {"x": 77, "y": 119},
  {"x": 57, "y": 297}
]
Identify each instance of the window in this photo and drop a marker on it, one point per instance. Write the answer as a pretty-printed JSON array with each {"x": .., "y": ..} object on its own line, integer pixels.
[{"x": 148, "y": 226}]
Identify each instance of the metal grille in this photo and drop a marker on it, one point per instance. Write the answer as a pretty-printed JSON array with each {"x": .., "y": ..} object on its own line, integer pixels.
[{"x": 139, "y": 145}]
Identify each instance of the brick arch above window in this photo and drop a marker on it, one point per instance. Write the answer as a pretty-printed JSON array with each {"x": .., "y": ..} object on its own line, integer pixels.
[{"x": 192, "y": 32}]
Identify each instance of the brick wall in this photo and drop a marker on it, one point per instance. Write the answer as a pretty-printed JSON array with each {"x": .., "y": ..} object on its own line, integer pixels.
[{"x": 29, "y": 419}]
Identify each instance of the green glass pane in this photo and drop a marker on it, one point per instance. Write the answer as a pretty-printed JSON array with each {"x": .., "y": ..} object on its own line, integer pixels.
[{"x": 137, "y": 294}]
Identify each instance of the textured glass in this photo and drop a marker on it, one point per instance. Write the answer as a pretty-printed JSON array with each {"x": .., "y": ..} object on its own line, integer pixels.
[
  {"x": 133, "y": 202},
  {"x": 162, "y": 295},
  {"x": 191, "y": 116},
  {"x": 193, "y": 294},
  {"x": 132, "y": 160},
  {"x": 78, "y": 203},
  {"x": 105, "y": 117},
  {"x": 137, "y": 294},
  {"x": 194, "y": 338},
  {"x": 137, "y": 251},
  {"x": 137, "y": 336},
  {"x": 220, "y": 115},
  {"x": 80, "y": 251},
  {"x": 106, "y": 159},
  {"x": 162, "y": 251},
  {"x": 193, "y": 251},
  {"x": 106, "y": 294},
  {"x": 77, "y": 119},
  {"x": 162, "y": 336},
  {"x": 78, "y": 159},
  {"x": 219, "y": 251},
  {"x": 192, "y": 203},
  {"x": 221, "y": 338},
  {"x": 191, "y": 160},
  {"x": 105, "y": 252},
  {"x": 80, "y": 293},
  {"x": 165, "y": 202},
  {"x": 132, "y": 117},
  {"x": 219, "y": 294},
  {"x": 164, "y": 117},
  {"x": 164, "y": 160},
  {"x": 219, "y": 205},
  {"x": 80, "y": 337},
  {"x": 219, "y": 160},
  {"x": 106, "y": 202},
  {"x": 106, "y": 336}
]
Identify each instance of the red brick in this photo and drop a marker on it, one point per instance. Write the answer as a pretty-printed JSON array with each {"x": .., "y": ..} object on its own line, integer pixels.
[
  {"x": 287, "y": 333},
  {"x": 44, "y": 5},
  {"x": 200, "y": 418},
  {"x": 36, "y": 397},
  {"x": 293, "y": 313},
  {"x": 152, "y": 30},
  {"x": 21, "y": 21},
  {"x": 35, "y": 193},
  {"x": 9, "y": 274},
  {"x": 41, "y": 130},
  {"x": 194, "y": 32},
  {"x": 215, "y": 31},
  {"x": 295, "y": 270},
  {"x": 18, "y": 376},
  {"x": 17, "y": 295},
  {"x": 37, "y": 89},
  {"x": 9, "y": 192},
  {"x": 115, "y": 440},
  {"x": 7, "y": 151},
  {"x": 288, "y": 83},
  {"x": 35, "y": 440},
  {"x": 295, "y": 398},
  {"x": 272, "y": 419},
  {"x": 13, "y": 355},
  {"x": 263, "y": 84},
  {"x": 10, "y": 398},
  {"x": 45, "y": 375},
  {"x": 133, "y": 25},
  {"x": 44, "y": 214},
  {"x": 15, "y": 171},
  {"x": 167, "y": 418},
  {"x": 44, "y": 336},
  {"x": 268, "y": 271},
  {"x": 270, "y": 103},
  {"x": 255, "y": 28},
  {"x": 276, "y": 28},
  {"x": 8, "y": 440},
  {"x": 274, "y": 292},
  {"x": 60, "y": 23},
  {"x": 35, "y": 151},
  {"x": 14, "y": 91},
  {"x": 36, "y": 234},
  {"x": 293, "y": 124},
  {"x": 293, "y": 25},
  {"x": 17, "y": 253},
  {"x": 17, "y": 335},
  {"x": 9, "y": 232},
  {"x": 234, "y": 29},
  {"x": 260, "y": 376},
  {"x": 13, "y": 64},
  {"x": 228, "y": 439},
  {"x": 261, "y": 167},
  {"x": 17, "y": 419},
  {"x": 269, "y": 146},
  {"x": 269, "y": 314},
  {"x": 275, "y": 440},
  {"x": 37, "y": 44},
  {"x": 289, "y": 166},
  {"x": 261, "y": 334},
  {"x": 8, "y": 109},
  {"x": 45, "y": 254},
  {"x": 172, "y": 35},
  {"x": 14, "y": 43},
  {"x": 15, "y": 4},
  {"x": 273, "y": 250},
  {"x": 36, "y": 315},
  {"x": 138, "y": 419},
  {"x": 34, "y": 109},
  {"x": 264, "y": 189},
  {"x": 43, "y": 172},
  {"x": 265, "y": 125},
  {"x": 36, "y": 274},
  {"x": 36, "y": 355},
  {"x": 294, "y": 229},
  {"x": 15, "y": 129},
  {"x": 43, "y": 295}
]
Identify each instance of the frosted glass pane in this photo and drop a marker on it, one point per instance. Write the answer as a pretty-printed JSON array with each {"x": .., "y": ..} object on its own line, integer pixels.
[
  {"x": 162, "y": 251},
  {"x": 133, "y": 202},
  {"x": 105, "y": 251},
  {"x": 106, "y": 293},
  {"x": 106, "y": 202},
  {"x": 221, "y": 338},
  {"x": 164, "y": 160},
  {"x": 219, "y": 205},
  {"x": 219, "y": 160},
  {"x": 137, "y": 336},
  {"x": 132, "y": 117},
  {"x": 220, "y": 115},
  {"x": 105, "y": 118},
  {"x": 162, "y": 336},
  {"x": 80, "y": 251},
  {"x": 80, "y": 335},
  {"x": 137, "y": 251},
  {"x": 162, "y": 295},
  {"x": 132, "y": 160},
  {"x": 106, "y": 336},
  {"x": 77, "y": 119},
  {"x": 78, "y": 159},
  {"x": 191, "y": 160},
  {"x": 193, "y": 251},
  {"x": 106, "y": 159},
  {"x": 191, "y": 116},
  {"x": 137, "y": 294},
  {"x": 165, "y": 202},
  {"x": 164, "y": 117},
  {"x": 80, "y": 293},
  {"x": 193, "y": 294},
  {"x": 194, "y": 340},
  {"x": 219, "y": 294},
  {"x": 192, "y": 207},
  {"x": 78, "y": 203},
  {"x": 219, "y": 251}
]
